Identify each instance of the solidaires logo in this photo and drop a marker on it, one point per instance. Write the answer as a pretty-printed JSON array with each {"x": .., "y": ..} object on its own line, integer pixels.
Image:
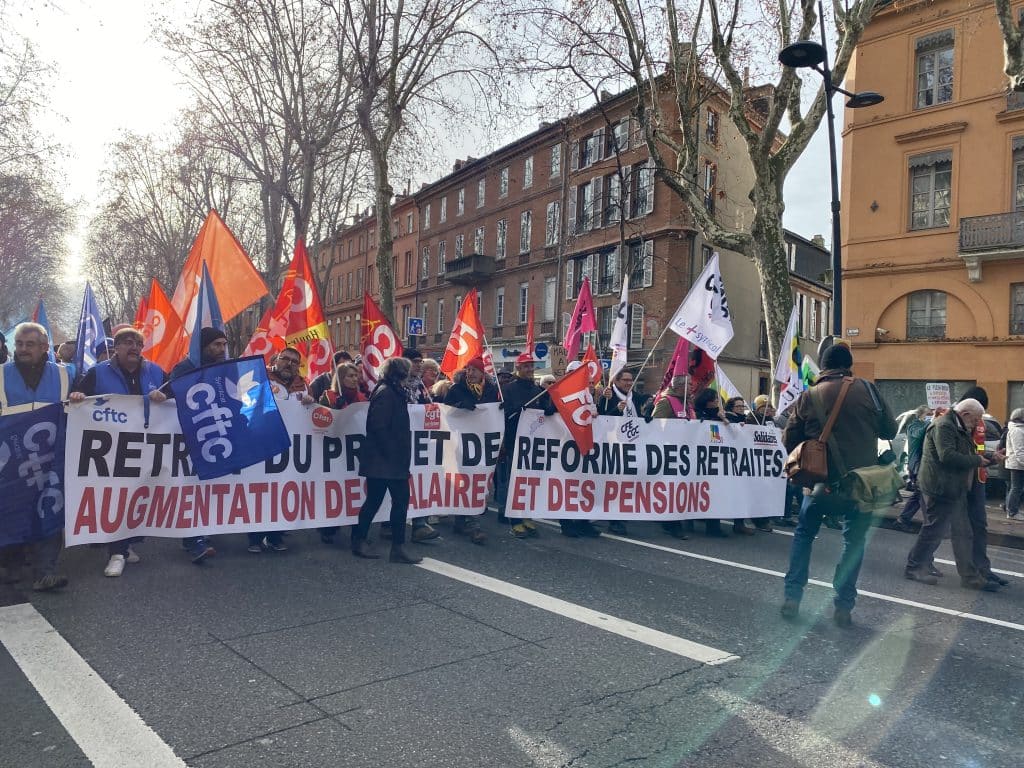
[{"x": 763, "y": 437}]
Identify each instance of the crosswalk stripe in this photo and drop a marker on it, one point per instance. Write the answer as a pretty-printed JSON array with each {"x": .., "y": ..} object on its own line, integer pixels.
[{"x": 109, "y": 732}]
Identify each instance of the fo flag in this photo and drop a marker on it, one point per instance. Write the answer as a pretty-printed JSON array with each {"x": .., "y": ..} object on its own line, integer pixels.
[
  {"x": 90, "y": 330},
  {"x": 378, "y": 341},
  {"x": 572, "y": 397},
  {"x": 467, "y": 339},
  {"x": 703, "y": 319},
  {"x": 229, "y": 417},
  {"x": 32, "y": 475}
]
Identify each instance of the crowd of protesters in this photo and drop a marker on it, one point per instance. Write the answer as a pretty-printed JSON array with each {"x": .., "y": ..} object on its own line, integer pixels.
[{"x": 946, "y": 467}]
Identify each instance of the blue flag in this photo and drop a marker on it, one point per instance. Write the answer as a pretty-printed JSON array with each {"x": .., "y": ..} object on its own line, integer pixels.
[
  {"x": 207, "y": 316},
  {"x": 90, "y": 330},
  {"x": 32, "y": 475},
  {"x": 229, "y": 417},
  {"x": 39, "y": 316}
]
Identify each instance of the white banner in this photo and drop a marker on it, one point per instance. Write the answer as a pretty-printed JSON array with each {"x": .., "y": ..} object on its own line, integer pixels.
[
  {"x": 668, "y": 469},
  {"x": 125, "y": 479}
]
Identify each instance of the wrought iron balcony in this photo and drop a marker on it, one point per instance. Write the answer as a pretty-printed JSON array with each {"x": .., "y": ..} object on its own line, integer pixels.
[
  {"x": 998, "y": 231},
  {"x": 469, "y": 269},
  {"x": 996, "y": 237}
]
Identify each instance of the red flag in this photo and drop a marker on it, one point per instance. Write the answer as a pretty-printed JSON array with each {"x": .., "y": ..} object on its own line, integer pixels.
[
  {"x": 235, "y": 280},
  {"x": 467, "y": 340},
  {"x": 593, "y": 365},
  {"x": 164, "y": 339},
  {"x": 575, "y": 403},
  {"x": 529, "y": 332},
  {"x": 140, "y": 314},
  {"x": 689, "y": 361},
  {"x": 582, "y": 320},
  {"x": 268, "y": 338},
  {"x": 301, "y": 315},
  {"x": 379, "y": 340}
]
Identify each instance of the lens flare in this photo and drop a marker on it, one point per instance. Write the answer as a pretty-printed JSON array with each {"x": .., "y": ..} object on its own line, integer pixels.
[{"x": 875, "y": 700}]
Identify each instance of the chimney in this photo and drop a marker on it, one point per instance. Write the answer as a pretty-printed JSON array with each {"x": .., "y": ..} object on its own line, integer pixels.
[
  {"x": 458, "y": 165},
  {"x": 605, "y": 95},
  {"x": 746, "y": 76},
  {"x": 819, "y": 241}
]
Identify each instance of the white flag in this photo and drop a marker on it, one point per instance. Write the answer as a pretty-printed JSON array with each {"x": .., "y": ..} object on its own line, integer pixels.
[
  {"x": 726, "y": 389},
  {"x": 703, "y": 318},
  {"x": 787, "y": 370},
  {"x": 620, "y": 333}
]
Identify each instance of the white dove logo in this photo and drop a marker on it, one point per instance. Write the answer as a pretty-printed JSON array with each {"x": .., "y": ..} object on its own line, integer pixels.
[{"x": 240, "y": 391}]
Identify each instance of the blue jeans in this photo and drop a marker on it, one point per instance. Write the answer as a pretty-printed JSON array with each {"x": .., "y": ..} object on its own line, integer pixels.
[{"x": 855, "y": 528}]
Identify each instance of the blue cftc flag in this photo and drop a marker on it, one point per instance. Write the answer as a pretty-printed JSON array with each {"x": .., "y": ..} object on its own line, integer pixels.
[
  {"x": 229, "y": 417},
  {"x": 90, "y": 330},
  {"x": 32, "y": 475}
]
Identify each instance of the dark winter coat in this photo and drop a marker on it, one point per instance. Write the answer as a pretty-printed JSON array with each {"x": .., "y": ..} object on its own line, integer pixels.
[
  {"x": 948, "y": 459},
  {"x": 517, "y": 394},
  {"x": 461, "y": 396},
  {"x": 387, "y": 450}
]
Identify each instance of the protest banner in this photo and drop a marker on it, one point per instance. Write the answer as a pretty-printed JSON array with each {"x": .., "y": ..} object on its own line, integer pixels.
[
  {"x": 31, "y": 470},
  {"x": 668, "y": 469},
  {"x": 125, "y": 480},
  {"x": 937, "y": 395}
]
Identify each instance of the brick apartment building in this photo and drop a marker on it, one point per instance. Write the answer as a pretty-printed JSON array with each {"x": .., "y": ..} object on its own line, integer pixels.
[{"x": 524, "y": 225}]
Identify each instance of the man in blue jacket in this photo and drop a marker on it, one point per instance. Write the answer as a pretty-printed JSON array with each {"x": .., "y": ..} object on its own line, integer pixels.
[
  {"x": 28, "y": 382},
  {"x": 124, "y": 373}
]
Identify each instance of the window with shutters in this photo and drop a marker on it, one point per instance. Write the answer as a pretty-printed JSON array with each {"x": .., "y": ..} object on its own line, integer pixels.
[
  {"x": 423, "y": 317},
  {"x": 440, "y": 316},
  {"x": 641, "y": 189},
  {"x": 524, "y": 232},
  {"x": 407, "y": 268},
  {"x": 348, "y": 331},
  {"x": 641, "y": 263},
  {"x": 931, "y": 177},
  {"x": 425, "y": 263},
  {"x": 584, "y": 207},
  {"x": 348, "y": 290},
  {"x": 934, "y": 69},
  {"x": 618, "y": 138},
  {"x": 550, "y": 297},
  {"x": 636, "y": 326},
  {"x": 460, "y": 202},
  {"x": 458, "y": 303},
  {"x": 812, "y": 328},
  {"x": 481, "y": 193},
  {"x": 501, "y": 236},
  {"x": 459, "y": 242},
  {"x": 1018, "y": 174},
  {"x": 612, "y": 204},
  {"x": 552, "y": 223},
  {"x": 499, "y": 306},
  {"x": 443, "y": 212},
  {"x": 426, "y": 216},
  {"x": 406, "y": 312},
  {"x": 570, "y": 279},
  {"x": 1017, "y": 309},
  {"x": 926, "y": 315},
  {"x": 556, "y": 160},
  {"x": 441, "y": 257},
  {"x": 711, "y": 127},
  {"x": 371, "y": 279},
  {"x": 410, "y": 223},
  {"x": 710, "y": 184},
  {"x": 606, "y": 321},
  {"x": 524, "y": 302},
  {"x": 478, "y": 240},
  {"x": 607, "y": 272},
  {"x": 528, "y": 172},
  {"x": 706, "y": 252},
  {"x": 503, "y": 182}
]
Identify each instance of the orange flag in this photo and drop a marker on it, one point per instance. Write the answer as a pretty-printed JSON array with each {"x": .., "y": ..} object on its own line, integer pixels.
[
  {"x": 140, "y": 314},
  {"x": 266, "y": 340},
  {"x": 379, "y": 340},
  {"x": 235, "y": 280},
  {"x": 592, "y": 364},
  {"x": 299, "y": 311},
  {"x": 164, "y": 339},
  {"x": 572, "y": 397},
  {"x": 467, "y": 339}
]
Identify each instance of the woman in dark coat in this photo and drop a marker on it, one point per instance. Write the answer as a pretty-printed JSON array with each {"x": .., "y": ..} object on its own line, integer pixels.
[
  {"x": 708, "y": 407},
  {"x": 384, "y": 458}
]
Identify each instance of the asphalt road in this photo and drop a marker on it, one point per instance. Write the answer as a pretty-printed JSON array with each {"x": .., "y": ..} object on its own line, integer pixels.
[{"x": 311, "y": 658}]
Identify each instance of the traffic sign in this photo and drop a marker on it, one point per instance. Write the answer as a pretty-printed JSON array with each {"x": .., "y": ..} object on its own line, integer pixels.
[
  {"x": 416, "y": 326},
  {"x": 540, "y": 350}
]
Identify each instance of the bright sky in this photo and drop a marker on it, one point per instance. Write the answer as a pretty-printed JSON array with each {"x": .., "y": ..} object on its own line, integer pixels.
[{"x": 112, "y": 77}]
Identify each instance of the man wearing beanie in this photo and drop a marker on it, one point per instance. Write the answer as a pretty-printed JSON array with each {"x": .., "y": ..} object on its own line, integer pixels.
[{"x": 862, "y": 419}]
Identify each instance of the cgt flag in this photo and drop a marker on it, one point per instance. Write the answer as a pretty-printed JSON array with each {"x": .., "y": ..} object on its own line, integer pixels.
[
  {"x": 32, "y": 475},
  {"x": 467, "y": 340},
  {"x": 229, "y": 418},
  {"x": 703, "y": 318},
  {"x": 268, "y": 338},
  {"x": 378, "y": 341},
  {"x": 299, "y": 311},
  {"x": 572, "y": 397}
]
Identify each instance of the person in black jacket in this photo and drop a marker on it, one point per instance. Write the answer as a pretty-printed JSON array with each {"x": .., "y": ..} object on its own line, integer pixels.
[
  {"x": 707, "y": 406},
  {"x": 613, "y": 403},
  {"x": 520, "y": 393},
  {"x": 471, "y": 389},
  {"x": 384, "y": 458}
]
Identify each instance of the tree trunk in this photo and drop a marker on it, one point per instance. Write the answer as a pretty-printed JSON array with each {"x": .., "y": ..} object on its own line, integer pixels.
[
  {"x": 768, "y": 251},
  {"x": 385, "y": 239}
]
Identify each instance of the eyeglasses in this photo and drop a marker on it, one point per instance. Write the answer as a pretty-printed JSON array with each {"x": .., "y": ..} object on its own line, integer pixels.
[
  {"x": 287, "y": 361},
  {"x": 131, "y": 343}
]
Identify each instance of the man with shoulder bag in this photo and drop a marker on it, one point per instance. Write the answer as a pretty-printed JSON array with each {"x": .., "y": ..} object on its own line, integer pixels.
[{"x": 837, "y": 422}]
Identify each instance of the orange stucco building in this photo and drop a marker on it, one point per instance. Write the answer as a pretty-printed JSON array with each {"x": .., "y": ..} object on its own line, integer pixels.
[{"x": 933, "y": 205}]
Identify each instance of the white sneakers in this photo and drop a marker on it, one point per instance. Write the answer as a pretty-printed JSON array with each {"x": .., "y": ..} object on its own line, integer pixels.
[
  {"x": 132, "y": 557},
  {"x": 115, "y": 567}
]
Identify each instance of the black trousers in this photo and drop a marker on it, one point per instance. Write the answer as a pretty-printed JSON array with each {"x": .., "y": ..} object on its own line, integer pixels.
[
  {"x": 376, "y": 487},
  {"x": 940, "y": 514},
  {"x": 978, "y": 518}
]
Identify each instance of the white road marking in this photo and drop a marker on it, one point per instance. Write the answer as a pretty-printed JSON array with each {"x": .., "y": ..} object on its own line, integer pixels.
[
  {"x": 816, "y": 582},
  {"x": 542, "y": 752},
  {"x": 652, "y": 637},
  {"x": 106, "y": 729},
  {"x": 794, "y": 739}
]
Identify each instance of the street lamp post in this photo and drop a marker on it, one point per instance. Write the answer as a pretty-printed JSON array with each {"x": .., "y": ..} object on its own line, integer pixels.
[{"x": 814, "y": 55}]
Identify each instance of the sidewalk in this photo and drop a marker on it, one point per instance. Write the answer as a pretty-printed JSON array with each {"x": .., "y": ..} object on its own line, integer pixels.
[{"x": 1001, "y": 532}]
